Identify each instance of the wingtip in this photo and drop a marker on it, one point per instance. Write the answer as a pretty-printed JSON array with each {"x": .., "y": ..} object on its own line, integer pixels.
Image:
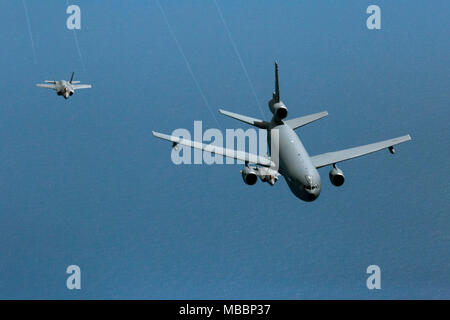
[{"x": 224, "y": 112}]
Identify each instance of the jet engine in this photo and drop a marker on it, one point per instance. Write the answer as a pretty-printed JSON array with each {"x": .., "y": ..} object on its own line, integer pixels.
[
  {"x": 249, "y": 176},
  {"x": 278, "y": 109},
  {"x": 68, "y": 91},
  {"x": 337, "y": 176}
]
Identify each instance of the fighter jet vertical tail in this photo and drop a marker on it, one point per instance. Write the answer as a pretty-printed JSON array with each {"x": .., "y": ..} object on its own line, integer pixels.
[
  {"x": 276, "y": 94},
  {"x": 71, "y": 78}
]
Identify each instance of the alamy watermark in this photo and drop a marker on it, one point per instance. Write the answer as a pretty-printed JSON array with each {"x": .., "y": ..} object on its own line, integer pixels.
[
  {"x": 252, "y": 140},
  {"x": 374, "y": 280},
  {"x": 74, "y": 280},
  {"x": 74, "y": 20},
  {"x": 373, "y": 22}
]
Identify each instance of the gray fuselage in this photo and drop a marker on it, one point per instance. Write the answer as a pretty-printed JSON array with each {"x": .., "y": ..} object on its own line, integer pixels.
[
  {"x": 64, "y": 88},
  {"x": 294, "y": 163}
]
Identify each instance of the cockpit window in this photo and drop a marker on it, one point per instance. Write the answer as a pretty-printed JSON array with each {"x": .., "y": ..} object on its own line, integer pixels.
[
  {"x": 308, "y": 180},
  {"x": 310, "y": 185}
]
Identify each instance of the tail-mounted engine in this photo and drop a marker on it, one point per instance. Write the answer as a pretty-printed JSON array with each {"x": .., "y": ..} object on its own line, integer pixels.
[
  {"x": 336, "y": 176},
  {"x": 278, "y": 109}
]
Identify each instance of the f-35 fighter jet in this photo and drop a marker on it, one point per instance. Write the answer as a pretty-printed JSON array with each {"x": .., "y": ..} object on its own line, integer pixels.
[{"x": 64, "y": 88}]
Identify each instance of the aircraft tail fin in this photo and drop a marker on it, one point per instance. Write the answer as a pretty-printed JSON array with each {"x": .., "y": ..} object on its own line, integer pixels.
[
  {"x": 71, "y": 78},
  {"x": 276, "y": 93}
]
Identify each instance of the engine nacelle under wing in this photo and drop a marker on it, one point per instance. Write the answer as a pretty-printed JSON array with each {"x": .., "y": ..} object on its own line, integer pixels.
[
  {"x": 337, "y": 176},
  {"x": 249, "y": 176}
]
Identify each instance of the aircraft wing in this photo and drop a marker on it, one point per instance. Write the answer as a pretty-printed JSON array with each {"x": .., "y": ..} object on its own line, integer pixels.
[
  {"x": 325, "y": 159},
  {"x": 48, "y": 86},
  {"x": 300, "y": 122},
  {"x": 239, "y": 155},
  {"x": 81, "y": 86}
]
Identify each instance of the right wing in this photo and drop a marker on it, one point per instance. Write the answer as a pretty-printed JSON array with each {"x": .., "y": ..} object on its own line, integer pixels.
[
  {"x": 48, "y": 86},
  {"x": 235, "y": 154},
  {"x": 325, "y": 159},
  {"x": 81, "y": 86}
]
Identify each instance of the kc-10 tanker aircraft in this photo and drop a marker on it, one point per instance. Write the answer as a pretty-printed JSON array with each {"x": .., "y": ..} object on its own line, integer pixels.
[
  {"x": 288, "y": 156},
  {"x": 64, "y": 88}
]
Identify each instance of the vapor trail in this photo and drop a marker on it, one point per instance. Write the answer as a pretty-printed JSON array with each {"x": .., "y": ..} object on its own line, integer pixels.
[
  {"x": 78, "y": 48},
  {"x": 188, "y": 65},
  {"x": 239, "y": 56},
  {"x": 29, "y": 31}
]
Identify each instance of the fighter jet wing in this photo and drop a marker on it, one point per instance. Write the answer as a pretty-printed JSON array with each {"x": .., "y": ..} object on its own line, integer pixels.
[
  {"x": 48, "y": 86},
  {"x": 81, "y": 86},
  {"x": 325, "y": 159},
  {"x": 235, "y": 154}
]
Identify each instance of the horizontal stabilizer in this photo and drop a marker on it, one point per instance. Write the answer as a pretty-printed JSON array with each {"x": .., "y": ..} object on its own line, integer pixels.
[
  {"x": 235, "y": 154},
  {"x": 300, "y": 122},
  {"x": 334, "y": 157},
  {"x": 254, "y": 122}
]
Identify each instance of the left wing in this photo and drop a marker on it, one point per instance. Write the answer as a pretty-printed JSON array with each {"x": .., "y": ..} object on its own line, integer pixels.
[
  {"x": 325, "y": 159},
  {"x": 239, "y": 155},
  {"x": 48, "y": 86},
  {"x": 81, "y": 86}
]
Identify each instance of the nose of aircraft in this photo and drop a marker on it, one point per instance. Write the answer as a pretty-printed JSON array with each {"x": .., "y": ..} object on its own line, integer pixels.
[
  {"x": 311, "y": 195},
  {"x": 306, "y": 193}
]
